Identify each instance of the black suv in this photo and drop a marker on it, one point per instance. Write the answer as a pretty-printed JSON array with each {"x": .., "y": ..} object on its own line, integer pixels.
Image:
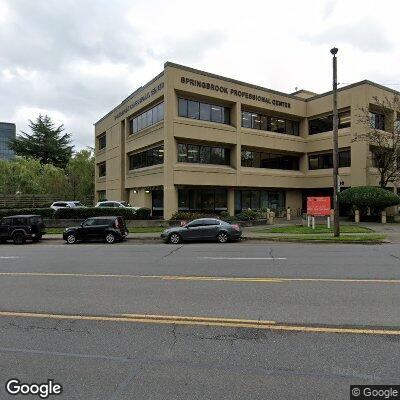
[
  {"x": 20, "y": 228},
  {"x": 109, "y": 229}
]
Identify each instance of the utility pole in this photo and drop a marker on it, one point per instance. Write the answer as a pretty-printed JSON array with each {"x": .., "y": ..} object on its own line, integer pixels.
[{"x": 336, "y": 227}]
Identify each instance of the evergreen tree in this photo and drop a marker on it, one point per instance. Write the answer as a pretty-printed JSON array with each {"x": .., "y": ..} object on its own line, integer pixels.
[{"x": 47, "y": 143}]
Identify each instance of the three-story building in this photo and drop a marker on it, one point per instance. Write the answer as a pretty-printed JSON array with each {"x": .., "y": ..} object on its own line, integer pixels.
[{"x": 191, "y": 140}]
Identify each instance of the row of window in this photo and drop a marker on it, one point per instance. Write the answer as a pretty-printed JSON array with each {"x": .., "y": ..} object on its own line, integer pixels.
[
  {"x": 259, "y": 199},
  {"x": 259, "y": 159},
  {"x": 204, "y": 111},
  {"x": 193, "y": 153},
  {"x": 325, "y": 124},
  {"x": 325, "y": 160},
  {"x": 202, "y": 199},
  {"x": 272, "y": 124},
  {"x": 147, "y": 158},
  {"x": 148, "y": 118}
]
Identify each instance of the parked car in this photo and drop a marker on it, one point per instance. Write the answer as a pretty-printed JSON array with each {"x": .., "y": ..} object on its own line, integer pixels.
[
  {"x": 115, "y": 204},
  {"x": 110, "y": 229},
  {"x": 20, "y": 228},
  {"x": 66, "y": 204},
  {"x": 203, "y": 229}
]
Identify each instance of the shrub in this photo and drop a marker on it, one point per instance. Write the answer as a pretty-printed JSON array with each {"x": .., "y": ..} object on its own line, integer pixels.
[
  {"x": 225, "y": 216},
  {"x": 83, "y": 213},
  {"x": 368, "y": 196},
  {"x": 44, "y": 212},
  {"x": 248, "y": 215}
]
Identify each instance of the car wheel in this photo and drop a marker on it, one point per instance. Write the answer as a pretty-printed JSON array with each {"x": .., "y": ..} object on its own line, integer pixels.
[
  {"x": 222, "y": 237},
  {"x": 174, "y": 238},
  {"x": 71, "y": 238},
  {"x": 110, "y": 238},
  {"x": 19, "y": 238}
]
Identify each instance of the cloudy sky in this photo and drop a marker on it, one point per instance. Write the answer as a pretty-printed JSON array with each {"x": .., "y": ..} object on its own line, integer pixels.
[{"x": 76, "y": 59}]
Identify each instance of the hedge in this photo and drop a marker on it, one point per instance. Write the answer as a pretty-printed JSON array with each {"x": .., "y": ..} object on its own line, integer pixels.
[
  {"x": 368, "y": 196},
  {"x": 82, "y": 213},
  {"x": 247, "y": 215},
  {"x": 44, "y": 212},
  {"x": 79, "y": 213}
]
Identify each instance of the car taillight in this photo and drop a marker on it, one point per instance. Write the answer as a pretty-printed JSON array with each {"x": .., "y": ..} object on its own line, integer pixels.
[{"x": 236, "y": 227}]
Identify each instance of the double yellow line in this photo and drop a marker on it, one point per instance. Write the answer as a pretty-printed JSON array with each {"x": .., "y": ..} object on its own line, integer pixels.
[
  {"x": 201, "y": 278},
  {"x": 205, "y": 321}
]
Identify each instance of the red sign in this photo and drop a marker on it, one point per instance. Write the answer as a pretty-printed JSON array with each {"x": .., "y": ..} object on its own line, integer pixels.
[{"x": 318, "y": 206}]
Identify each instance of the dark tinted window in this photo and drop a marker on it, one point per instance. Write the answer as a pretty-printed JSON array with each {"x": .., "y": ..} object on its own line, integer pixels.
[
  {"x": 19, "y": 221},
  {"x": 102, "y": 169},
  {"x": 102, "y": 139},
  {"x": 325, "y": 160},
  {"x": 325, "y": 124},
  {"x": 35, "y": 220},
  {"x": 259, "y": 159},
  {"x": 211, "y": 222},
  {"x": 147, "y": 158},
  {"x": 147, "y": 118},
  {"x": 195, "y": 223},
  {"x": 272, "y": 124},
  {"x": 194, "y": 153},
  {"x": 5, "y": 222},
  {"x": 89, "y": 222},
  {"x": 203, "y": 111}
]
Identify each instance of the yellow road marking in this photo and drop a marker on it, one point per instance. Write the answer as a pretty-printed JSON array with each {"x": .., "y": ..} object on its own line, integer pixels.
[
  {"x": 221, "y": 322},
  {"x": 203, "y": 278}
]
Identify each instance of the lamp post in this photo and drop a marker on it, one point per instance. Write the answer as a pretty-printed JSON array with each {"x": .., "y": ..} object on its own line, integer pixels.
[{"x": 336, "y": 227}]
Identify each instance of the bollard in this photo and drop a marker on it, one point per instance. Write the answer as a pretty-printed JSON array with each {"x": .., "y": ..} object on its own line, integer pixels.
[
  {"x": 357, "y": 216},
  {"x": 383, "y": 217},
  {"x": 288, "y": 216}
]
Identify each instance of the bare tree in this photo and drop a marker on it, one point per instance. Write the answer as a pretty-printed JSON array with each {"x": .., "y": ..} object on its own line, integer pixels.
[{"x": 382, "y": 132}]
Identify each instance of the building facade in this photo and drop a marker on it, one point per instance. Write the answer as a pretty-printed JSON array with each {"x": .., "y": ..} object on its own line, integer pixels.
[
  {"x": 191, "y": 140},
  {"x": 7, "y": 132}
]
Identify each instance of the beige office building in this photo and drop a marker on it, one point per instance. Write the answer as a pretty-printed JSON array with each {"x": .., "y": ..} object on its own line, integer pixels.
[{"x": 192, "y": 140}]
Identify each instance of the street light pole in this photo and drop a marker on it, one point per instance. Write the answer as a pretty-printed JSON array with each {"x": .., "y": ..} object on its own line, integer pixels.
[{"x": 336, "y": 227}]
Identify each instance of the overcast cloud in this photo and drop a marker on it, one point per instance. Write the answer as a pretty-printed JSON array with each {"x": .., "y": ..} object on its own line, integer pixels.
[{"x": 77, "y": 59}]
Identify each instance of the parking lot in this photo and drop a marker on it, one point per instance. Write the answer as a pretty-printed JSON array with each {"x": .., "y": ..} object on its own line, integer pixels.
[{"x": 200, "y": 320}]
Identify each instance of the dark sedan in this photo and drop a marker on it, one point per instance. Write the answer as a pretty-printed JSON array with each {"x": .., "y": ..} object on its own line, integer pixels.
[
  {"x": 110, "y": 229},
  {"x": 205, "y": 229}
]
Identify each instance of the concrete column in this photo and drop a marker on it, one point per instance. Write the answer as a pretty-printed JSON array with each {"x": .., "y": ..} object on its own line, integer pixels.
[
  {"x": 383, "y": 218},
  {"x": 170, "y": 146},
  {"x": 357, "y": 216},
  {"x": 231, "y": 201}
]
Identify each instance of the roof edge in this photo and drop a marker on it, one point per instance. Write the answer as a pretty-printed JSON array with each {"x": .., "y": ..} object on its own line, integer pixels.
[
  {"x": 139, "y": 89},
  {"x": 224, "y": 78}
]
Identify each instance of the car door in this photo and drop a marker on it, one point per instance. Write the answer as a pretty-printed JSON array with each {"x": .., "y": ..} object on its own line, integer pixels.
[
  {"x": 88, "y": 229},
  {"x": 211, "y": 228},
  {"x": 194, "y": 230},
  {"x": 5, "y": 226},
  {"x": 99, "y": 228}
]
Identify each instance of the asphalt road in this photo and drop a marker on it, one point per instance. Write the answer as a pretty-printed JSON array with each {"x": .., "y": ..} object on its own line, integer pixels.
[{"x": 80, "y": 315}]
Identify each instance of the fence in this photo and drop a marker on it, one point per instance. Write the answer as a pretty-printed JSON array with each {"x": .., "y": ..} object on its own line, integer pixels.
[{"x": 34, "y": 201}]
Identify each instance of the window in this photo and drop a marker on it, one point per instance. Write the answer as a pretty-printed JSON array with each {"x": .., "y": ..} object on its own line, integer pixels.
[
  {"x": 258, "y": 199},
  {"x": 19, "y": 221},
  {"x": 147, "y": 118},
  {"x": 247, "y": 158},
  {"x": 377, "y": 121},
  {"x": 246, "y": 119},
  {"x": 102, "y": 140},
  {"x": 325, "y": 160},
  {"x": 203, "y": 111},
  {"x": 102, "y": 169},
  {"x": 5, "y": 222},
  {"x": 258, "y": 159},
  {"x": 202, "y": 199},
  {"x": 325, "y": 124},
  {"x": 272, "y": 124},
  {"x": 147, "y": 158},
  {"x": 193, "y": 109},
  {"x": 101, "y": 195},
  {"x": 194, "y": 153}
]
